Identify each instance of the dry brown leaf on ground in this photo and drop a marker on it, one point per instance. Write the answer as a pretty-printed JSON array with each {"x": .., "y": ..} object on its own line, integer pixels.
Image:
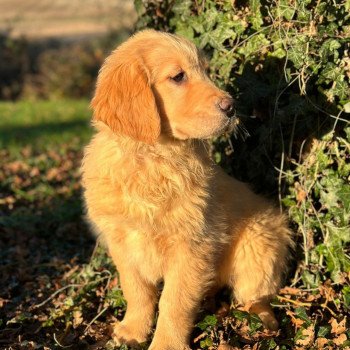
[
  {"x": 16, "y": 166},
  {"x": 290, "y": 291},
  {"x": 340, "y": 340},
  {"x": 309, "y": 336},
  {"x": 53, "y": 174},
  {"x": 297, "y": 322},
  {"x": 321, "y": 342},
  {"x": 338, "y": 327},
  {"x": 327, "y": 291}
]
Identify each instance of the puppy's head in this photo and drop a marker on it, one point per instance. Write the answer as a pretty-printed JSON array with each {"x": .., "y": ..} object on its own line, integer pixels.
[{"x": 156, "y": 83}]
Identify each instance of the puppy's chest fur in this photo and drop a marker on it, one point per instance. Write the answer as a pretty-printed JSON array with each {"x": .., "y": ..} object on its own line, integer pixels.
[{"x": 161, "y": 190}]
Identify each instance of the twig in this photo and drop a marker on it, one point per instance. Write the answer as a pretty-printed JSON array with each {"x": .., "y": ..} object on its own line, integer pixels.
[
  {"x": 299, "y": 303},
  {"x": 325, "y": 112},
  {"x": 331, "y": 311},
  {"x": 305, "y": 239},
  {"x": 336, "y": 120},
  {"x": 59, "y": 344},
  {"x": 95, "y": 318},
  {"x": 280, "y": 179},
  {"x": 282, "y": 306},
  {"x": 55, "y": 293}
]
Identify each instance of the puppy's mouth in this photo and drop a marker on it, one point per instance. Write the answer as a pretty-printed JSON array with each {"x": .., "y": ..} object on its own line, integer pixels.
[
  {"x": 225, "y": 125},
  {"x": 228, "y": 127}
]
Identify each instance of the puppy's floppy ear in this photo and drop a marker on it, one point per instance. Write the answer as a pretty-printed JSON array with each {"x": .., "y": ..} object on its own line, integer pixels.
[{"x": 124, "y": 99}]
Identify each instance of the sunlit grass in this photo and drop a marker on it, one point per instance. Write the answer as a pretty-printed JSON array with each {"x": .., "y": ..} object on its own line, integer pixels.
[{"x": 43, "y": 124}]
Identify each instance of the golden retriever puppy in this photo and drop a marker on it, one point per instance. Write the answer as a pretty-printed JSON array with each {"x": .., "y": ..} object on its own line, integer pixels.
[{"x": 165, "y": 210}]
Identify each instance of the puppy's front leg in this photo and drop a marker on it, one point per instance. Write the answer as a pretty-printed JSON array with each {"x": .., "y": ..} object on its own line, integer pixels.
[
  {"x": 141, "y": 297},
  {"x": 184, "y": 287}
]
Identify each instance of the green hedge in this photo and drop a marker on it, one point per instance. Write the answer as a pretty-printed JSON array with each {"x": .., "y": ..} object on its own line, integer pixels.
[{"x": 287, "y": 63}]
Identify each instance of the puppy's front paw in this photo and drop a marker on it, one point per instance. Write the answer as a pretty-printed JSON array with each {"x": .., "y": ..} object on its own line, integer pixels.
[
  {"x": 128, "y": 334},
  {"x": 269, "y": 320},
  {"x": 266, "y": 315},
  {"x": 156, "y": 347},
  {"x": 164, "y": 345}
]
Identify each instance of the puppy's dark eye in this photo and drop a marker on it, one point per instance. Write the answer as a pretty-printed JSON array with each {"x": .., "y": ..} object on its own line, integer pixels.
[{"x": 178, "y": 78}]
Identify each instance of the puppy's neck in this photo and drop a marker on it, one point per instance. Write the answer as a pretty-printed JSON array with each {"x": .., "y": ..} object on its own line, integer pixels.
[{"x": 165, "y": 147}]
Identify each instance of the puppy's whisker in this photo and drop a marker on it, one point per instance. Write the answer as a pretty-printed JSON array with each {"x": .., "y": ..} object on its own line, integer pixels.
[
  {"x": 241, "y": 131},
  {"x": 237, "y": 129}
]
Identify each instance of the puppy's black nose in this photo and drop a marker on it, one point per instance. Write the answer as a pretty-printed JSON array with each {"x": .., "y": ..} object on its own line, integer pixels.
[{"x": 226, "y": 104}]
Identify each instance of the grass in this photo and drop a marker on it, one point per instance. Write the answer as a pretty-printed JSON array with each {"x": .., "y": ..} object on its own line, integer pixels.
[
  {"x": 43, "y": 124},
  {"x": 60, "y": 290}
]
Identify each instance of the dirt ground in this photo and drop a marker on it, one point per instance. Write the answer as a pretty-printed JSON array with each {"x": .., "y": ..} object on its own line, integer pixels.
[{"x": 41, "y": 19}]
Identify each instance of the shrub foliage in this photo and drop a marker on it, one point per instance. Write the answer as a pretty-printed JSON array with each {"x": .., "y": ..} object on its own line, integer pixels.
[
  {"x": 52, "y": 68},
  {"x": 287, "y": 63}
]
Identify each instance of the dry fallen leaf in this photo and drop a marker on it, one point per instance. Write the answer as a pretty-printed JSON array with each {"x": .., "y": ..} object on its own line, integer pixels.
[
  {"x": 77, "y": 318},
  {"x": 297, "y": 322},
  {"x": 338, "y": 327},
  {"x": 290, "y": 291},
  {"x": 321, "y": 342},
  {"x": 340, "y": 340},
  {"x": 309, "y": 337},
  {"x": 53, "y": 174}
]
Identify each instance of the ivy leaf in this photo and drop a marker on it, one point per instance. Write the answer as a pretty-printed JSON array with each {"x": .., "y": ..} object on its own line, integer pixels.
[
  {"x": 328, "y": 48},
  {"x": 182, "y": 8},
  {"x": 285, "y": 10},
  {"x": 209, "y": 321},
  {"x": 300, "y": 312},
  {"x": 323, "y": 331},
  {"x": 257, "y": 45},
  {"x": 256, "y": 18},
  {"x": 184, "y": 30}
]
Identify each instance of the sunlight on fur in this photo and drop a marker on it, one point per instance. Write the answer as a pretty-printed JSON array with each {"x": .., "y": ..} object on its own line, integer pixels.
[{"x": 164, "y": 209}]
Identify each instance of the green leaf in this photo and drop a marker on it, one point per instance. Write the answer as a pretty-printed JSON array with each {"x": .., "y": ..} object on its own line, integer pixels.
[
  {"x": 300, "y": 312},
  {"x": 285, "y": 10},
  {"x": 182, "y": 8},
  {"x": 240, "y": 315},
  {"x": 115, "y": 298},
  {"x": 256, "y": 18},
  {"x": 209, "y": 321},
  {"x": 330, "y": 47},
  {"x": 206, "y": 343},
  {"x": 211, "y": 17},
  {"x": 139, "y": 7},
  {"x": 255, "y": 323},
  {"x": 323, "y": 331},
  {"x": 338, "y": 234},
  {"x": 344, "y": 196},
  {"x": 255, "y": 45},
  {"x": 279, "y": 53},
  {"x": 346, "y": 296},
  {"x": 310, "y": 279},
  {"x": 185, "y": 30},
  {"x": 269, "y": 344}
]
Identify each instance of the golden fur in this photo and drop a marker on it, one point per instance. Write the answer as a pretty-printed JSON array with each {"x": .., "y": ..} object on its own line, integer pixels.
[{"x": 164, "y": 209}]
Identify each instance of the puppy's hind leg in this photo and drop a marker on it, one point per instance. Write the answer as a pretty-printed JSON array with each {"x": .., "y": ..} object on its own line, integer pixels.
[{"x": 258, "y": 259}]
